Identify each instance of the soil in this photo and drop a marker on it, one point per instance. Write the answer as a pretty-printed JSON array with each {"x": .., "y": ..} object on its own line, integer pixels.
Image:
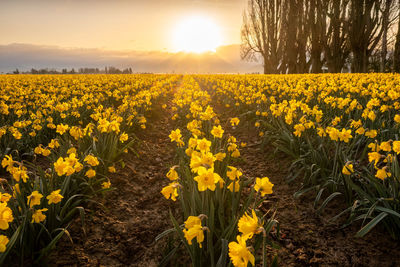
[{"x": 123, "y": 233}]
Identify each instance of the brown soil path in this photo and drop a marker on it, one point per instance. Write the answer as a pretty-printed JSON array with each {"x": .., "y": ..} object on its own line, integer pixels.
[{"x": 124, "y": 233}]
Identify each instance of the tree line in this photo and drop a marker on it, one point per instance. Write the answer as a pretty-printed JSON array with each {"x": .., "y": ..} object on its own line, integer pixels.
[
  {"x": 106, "y": 70},
  {"x": 302, "y": 36}
]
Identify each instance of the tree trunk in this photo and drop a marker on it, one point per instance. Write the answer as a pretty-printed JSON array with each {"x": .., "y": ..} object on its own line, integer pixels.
[
  {"x": 385, "y": 25},
  {"x": 396, "y": 56},
  {"x": 266, "y": 66}
]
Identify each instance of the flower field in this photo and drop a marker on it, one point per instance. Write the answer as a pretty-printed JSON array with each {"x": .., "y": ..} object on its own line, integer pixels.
[{"x": 65, "y": 138}]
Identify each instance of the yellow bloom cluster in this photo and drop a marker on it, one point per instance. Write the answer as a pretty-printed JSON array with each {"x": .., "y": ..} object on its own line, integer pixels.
[
  {"x": 67, "y": 132},
  {"x": 335, "y": 107}
]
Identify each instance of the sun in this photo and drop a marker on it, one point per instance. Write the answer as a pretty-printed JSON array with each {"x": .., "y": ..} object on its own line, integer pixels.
[{"x": 196, "y": 34}]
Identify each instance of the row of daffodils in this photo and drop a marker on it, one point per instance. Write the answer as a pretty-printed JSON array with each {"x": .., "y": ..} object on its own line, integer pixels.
[
  {"x": 60, "y": 138},
  {"x": 218, "y": 202},
  {"x": 340, "y": 130}
]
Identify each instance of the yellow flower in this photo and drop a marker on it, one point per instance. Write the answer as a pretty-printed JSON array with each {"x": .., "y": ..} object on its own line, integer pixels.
[
  {"x": 232, "y": 184},
  {"x": 170, "y": 191},
  {"x": 123, "y": 137},
  {"x": 206, "y": 179},
  {"x": 385, "y": 146},
  {"x": 235, "y": 121},
  {"x": 38, "y": 216},
  {"x": 46, "y": 152},
  {"x": 348, "y": 169},
  {"x": 249, "y": 225},
  {"x": 345, "y": 135},
  {"x": 192, "y": 142},
  {"x": 71, "y": 160},
  {"x": 38, "y": 150},
  {"x": 6, "y": 216},
  {"x": 34, "y": 199},
  {"x": 55, "y": 197},
  {"x": 3, "y": 243},
  {"x": 321, "y": 132},
  {"x": 91, "y": 160},
  {"x": 90, "y": 173},
  {"x": 172, "y": 174},
  {"x": 203, "y": 145},
  {"x": 371, "y": 133},
  {"x": 53, "y": 143},
  {"x": 106, "y": 184},
  {"x": 397, "y": 118},
  {"x": 233, "y": 173},
  {"x": 61, "y": 166},
  {"x": 62, "y": 128},
  {"x": 374, "y": 156},
  {"x": 374, "y": 147},
  {"x": 7, "y": 162},
  {"x": 235, "y": 154},
  {"x": 382, "y": 173},
  {"x": 4, "y": 197},
  {"x": 193, "y": 230},
  {"x": 103, "y": 125},
  {"x": 360, "y": 130},
  {"x": 72, "y": 150},
  {"x": 78, "y": 166},
  {"x": 217, "y": 131},
  {"x": 175, "y": 136},
  {"x": 19, "y": 173},
  {"x": 220, "y": 156},
  {"x": 76, "y": 132},
  {"x": 299, "y": 128},
  {"x": 264, "y": 186},
  {"x": 371, "y": 115},
  {"x": 112, "y": 169},
  {"x": 333, "y": 133},
  {"x": 16, "y": 190},
  {"x": 396, "y": 147},
  {"x": 239, "y": 253}
]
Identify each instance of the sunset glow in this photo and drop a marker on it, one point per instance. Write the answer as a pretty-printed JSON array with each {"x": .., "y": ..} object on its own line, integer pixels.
[{"x": 197, "y": 34}]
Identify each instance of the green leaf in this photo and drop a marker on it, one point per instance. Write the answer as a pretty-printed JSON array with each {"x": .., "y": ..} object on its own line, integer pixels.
[
  {"x": 45, "y": 251},
  {"x": 168, "y": 257},
  {"x": 326, "y": 201},
  {"x": 165, "y": 233},
  {"x": 181, "y": 235},
  {"x": 224, "y": 253},
  {"x": 371, "y": 224},
  {"x": 10, "y": 245}
]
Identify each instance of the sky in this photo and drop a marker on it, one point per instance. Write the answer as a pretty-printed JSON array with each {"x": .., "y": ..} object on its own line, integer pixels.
[
  {"x": 86, "y": 33},
  {"x": 112, "y": 24}
]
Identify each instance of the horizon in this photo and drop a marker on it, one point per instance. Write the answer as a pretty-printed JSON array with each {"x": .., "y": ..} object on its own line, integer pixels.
[{"x": 24, "y": 57}]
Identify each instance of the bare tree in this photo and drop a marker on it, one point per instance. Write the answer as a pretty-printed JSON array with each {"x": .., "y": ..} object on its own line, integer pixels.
[
  {"x": 385, "y": 28},
  {"x": 396, "y": 56},
  {"x": 318, "y": 25},
  {"x": 365, "y": 31},
  {"x": 262, "y": 24},
  {"x": 337, "y": 45},
  {"x": 299, "y": 36}
]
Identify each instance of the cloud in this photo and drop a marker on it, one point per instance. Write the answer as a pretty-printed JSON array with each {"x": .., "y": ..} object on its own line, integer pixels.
[{"x": 27, "y": 56}]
